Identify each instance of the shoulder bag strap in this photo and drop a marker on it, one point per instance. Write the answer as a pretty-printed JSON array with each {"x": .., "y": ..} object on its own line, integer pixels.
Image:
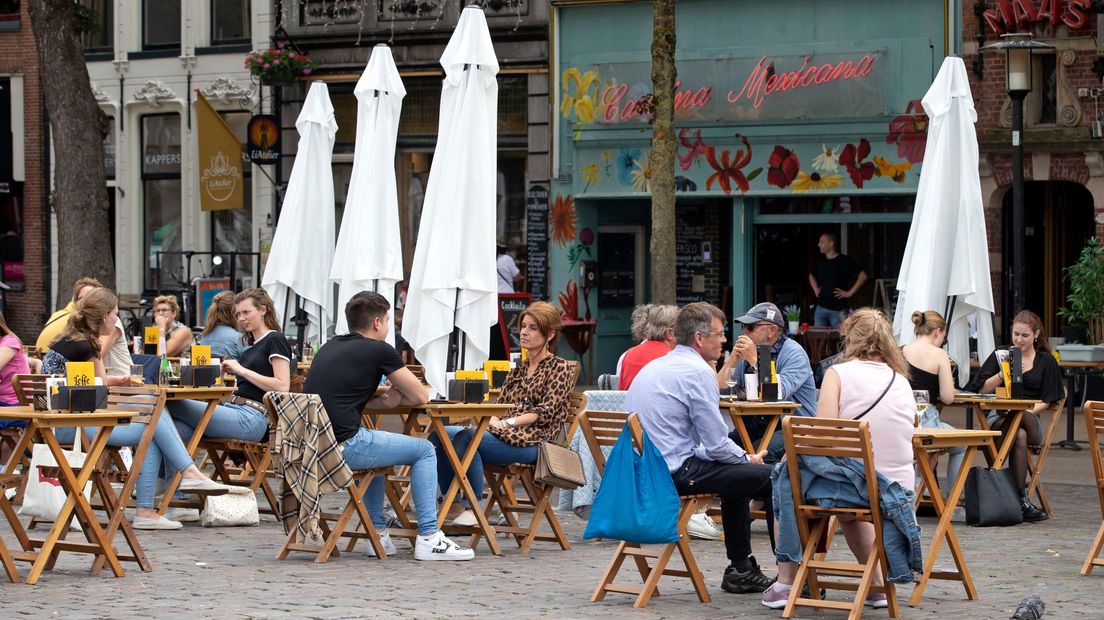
[{"x": 884, "y": 392}]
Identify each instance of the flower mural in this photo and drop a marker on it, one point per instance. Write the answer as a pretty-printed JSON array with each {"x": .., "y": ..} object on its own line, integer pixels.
[
  {"x": 562, "y": 219},
  {"x": 694, "y": 150},
  {"x": 730, "y": 167},
  {"x": 641, "y": 177},
  {"x": 626, "y": 163},
  {"x": 815, "y": 181},
  {"x": 891, "y": 170},
  {"x": 683, "y": 184},
  {"x": 576, "y": 98},
  {"x": 782, "y": 167},
  {"x": 828, "y": 160},
  {"x": 851, "y": 158},
  {"x": 591, "y": 174},
  {"x": 909, "y": 132}
]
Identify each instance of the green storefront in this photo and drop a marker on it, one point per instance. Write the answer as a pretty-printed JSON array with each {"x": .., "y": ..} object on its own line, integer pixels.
[{"x": 793, "y": 118}]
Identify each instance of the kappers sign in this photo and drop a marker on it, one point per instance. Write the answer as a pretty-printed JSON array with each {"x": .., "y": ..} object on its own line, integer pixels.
[{"x": 761, "y": 88}]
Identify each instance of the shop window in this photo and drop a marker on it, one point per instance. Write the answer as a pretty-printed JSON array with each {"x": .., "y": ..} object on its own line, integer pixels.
[
  {"x": 101, "y": 37},
  {"x": 9, "y": 14},
  {"x": 162, "y": 200},
  {"x": 806, "y": 205},
  {"x": 422, "y": 107},
  {"x": 232, "y": 229},
  {"x": 160, "y": 24},
  {"x": 230, "y": 22},
  {"x": 1046, "y": 72}
]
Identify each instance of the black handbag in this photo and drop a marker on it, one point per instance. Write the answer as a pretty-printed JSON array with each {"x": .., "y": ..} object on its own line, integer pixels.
[{"x": 992, "y": 498}]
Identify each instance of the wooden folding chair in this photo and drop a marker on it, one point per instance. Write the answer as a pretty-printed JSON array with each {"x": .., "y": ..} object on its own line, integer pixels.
[
  {"x": 1094, "y": 421},
  {"x": 501, "y": 480},
  {"x": 1037, "y": 454},
  {"x": 839, "y": 438},
  {"x": 8, "y": 481},
  {"x": 256, "y": 472},
  {"x": 334, "y": 525},
  {"x": 29, "y": 390},
  {"x": 650, "y": 575}
]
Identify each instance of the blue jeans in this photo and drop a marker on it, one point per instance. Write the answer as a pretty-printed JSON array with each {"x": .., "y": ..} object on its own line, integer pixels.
[
  {"x": 12, "y": 423},
  {"x": 228, "y": 421},
  {"x": 166, "y": 446},
  {"x": 825, "y": 317},
  {"x": 492, "y": 450},
  {"x": 370, "y": 449}
]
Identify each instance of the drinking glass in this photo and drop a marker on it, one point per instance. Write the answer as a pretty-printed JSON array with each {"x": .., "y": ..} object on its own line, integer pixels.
[
  {"x": 137, "y": 376},
  {"x": 731, "y": 382},
  {"x": 922, "y": 401}
]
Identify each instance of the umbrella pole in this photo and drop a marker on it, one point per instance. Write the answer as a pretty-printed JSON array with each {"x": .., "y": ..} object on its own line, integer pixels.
[
  {"x": 300, "y": 325},
  {"x": 454, "y": 339}
]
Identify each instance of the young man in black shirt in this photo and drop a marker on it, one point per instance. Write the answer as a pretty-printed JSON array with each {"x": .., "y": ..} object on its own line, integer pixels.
[
  {"x": 346, "y": 373},
  {"x": 835, "y": 279}
]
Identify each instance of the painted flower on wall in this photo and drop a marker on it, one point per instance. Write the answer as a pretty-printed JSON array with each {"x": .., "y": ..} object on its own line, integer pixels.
[
  {"x": 828, "y": 160},
  {"x": 591, "y": 174},
  {"x": 642, "y": 177},
  {"x": 730, "y": 167},
  {"x": 576, "y": 99},
  {"x": 695, "y": 148},
  {"x": 626, "y": 163},
  {"x": 815, "y": 182},
  {"x": 851, "y": 158},
  {"x": 782, "y": 167},
  {"x": 909, "y": 132},
  {"x": 562, "y": 219},
  {"x": 889, "y": 169},
  {"x": 683, "y": 184}
]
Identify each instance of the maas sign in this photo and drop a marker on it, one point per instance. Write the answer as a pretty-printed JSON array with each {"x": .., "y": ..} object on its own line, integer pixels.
[{"x": 264, "y": 140}]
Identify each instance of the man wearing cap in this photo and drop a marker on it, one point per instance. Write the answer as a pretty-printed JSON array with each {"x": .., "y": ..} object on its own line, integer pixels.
[
  {"x": 763, "y": 325},
  {"x": 508, "y": 272}
]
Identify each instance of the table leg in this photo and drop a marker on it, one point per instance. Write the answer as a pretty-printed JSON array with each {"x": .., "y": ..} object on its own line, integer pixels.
[
  {"x": 944, "y": 529},
  {"x": 193, "y": 447},
  {"x": 772, "y": 425},
  {"x": 991, "y": 451},
  {"x": 1069, "y": 442},
  {"x": 460, "y": 480},
  {"x": 741, "y": 429},
  {"x": 1009, "y": 438}
]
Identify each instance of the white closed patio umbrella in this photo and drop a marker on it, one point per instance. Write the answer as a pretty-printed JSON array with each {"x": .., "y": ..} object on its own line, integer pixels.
[
  {"x": 368, "y": 256},
  {"x": 303, "y": 245},
  {"x": 946, "y": 262},
  {"x": 452, "y": 281}
]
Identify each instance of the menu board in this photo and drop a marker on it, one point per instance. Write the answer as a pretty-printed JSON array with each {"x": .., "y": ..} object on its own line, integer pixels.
[
  {"x": 689, "y": 232},
  {"x": 536, "y": 233},
  {"x": 510, "y": 307}
]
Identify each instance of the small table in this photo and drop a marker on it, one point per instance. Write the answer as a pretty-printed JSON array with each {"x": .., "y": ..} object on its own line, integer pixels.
[
  {"x": 740, "y": 409},
  {"x": 41, "y": 425},
  {"x": 1072, "y": 370},
  {"x": 980, "y": 404},
  {"x": 926, "y": 443},
  {"x": 441, "y": 414},
  {"x": 212, "y": 396}
]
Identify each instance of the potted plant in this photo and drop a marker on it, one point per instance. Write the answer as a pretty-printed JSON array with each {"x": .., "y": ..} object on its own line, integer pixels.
[
  {"x": 279, "y": 66},
  {"x": 1085, "y": 303},
  {"x": 793, "y": 317}
]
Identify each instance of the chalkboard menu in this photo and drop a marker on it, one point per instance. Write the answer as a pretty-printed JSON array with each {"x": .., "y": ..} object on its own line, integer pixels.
[
  {"x": 510, "y": 307},
  {"x": 536, "y": 233},
  {"x": 689, "y": 233}
]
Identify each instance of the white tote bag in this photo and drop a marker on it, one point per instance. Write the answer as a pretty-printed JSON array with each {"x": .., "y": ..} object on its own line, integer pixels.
[
  {"x": 230, "y": 510},
  {"x": 44, "y": 495}
]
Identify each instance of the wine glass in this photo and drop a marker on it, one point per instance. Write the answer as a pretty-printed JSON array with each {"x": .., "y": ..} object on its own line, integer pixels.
[
  {"x": 922, "y": 401},
  {"x": 731, "y": 383}
]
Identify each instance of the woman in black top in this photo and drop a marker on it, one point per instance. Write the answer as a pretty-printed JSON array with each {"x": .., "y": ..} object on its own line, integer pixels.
[
  {"x": 1042, "y": 381},
  {"x": 265, "y": 366}
]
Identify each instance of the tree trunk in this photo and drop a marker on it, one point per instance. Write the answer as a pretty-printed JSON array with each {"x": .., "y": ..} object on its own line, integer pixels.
[
  {"x": 77, "y": 127},
  {"x": 661, "y": 160}
]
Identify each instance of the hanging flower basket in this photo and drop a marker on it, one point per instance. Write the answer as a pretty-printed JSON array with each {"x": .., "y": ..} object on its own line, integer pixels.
[{"x": 279, "y": 66}]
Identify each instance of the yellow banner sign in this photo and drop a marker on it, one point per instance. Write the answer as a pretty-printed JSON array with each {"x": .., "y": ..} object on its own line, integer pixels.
[
  {"x": 220, "y": 160},
  {"x": 201, "y": 355}
]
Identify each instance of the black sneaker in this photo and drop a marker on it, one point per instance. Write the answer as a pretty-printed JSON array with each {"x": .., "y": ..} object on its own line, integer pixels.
[{"x": 751, "y": 581}]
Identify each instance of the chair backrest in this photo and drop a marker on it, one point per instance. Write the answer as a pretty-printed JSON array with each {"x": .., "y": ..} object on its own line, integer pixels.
[
  {"x": 575, "y": 367},
  {"x": 28, "y": 387},
  {"x": 273, "y": 417},
  {"x": 145, "y": 401},
  {"x": 830, "y": 437},
  {"x": 418, "y": 371},
  {"x": 819, "y": 343},
  {"x": 1094, "y": 420},
  {"x": 601, "y": 430},
  {"x": 576, "y": 405}
]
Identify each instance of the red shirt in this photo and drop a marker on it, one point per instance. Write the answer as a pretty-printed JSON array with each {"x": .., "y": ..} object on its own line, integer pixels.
[{"x": 637, "y": 358}]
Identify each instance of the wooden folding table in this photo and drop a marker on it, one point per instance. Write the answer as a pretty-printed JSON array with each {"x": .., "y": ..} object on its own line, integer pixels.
[
  {"x": 210, "y": 395},
  {"x": 740, "y": 409},
  {"x": 1016, "y": 407}
]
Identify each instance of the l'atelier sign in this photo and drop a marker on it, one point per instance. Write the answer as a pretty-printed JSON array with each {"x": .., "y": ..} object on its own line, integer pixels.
[{"x": 835, "y": 85}]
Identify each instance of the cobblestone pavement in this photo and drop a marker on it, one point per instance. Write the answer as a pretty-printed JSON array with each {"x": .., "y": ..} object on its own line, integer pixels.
[{"x": 232, "y": 572}]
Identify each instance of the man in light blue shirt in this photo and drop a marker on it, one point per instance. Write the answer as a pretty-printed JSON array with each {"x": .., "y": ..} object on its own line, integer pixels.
[
  {"x": 763, "y": 325},
  {"x": 678, "y": 403}
]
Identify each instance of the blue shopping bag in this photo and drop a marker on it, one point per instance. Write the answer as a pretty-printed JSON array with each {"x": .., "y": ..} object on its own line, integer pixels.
[{"x": 636, "y": 501}]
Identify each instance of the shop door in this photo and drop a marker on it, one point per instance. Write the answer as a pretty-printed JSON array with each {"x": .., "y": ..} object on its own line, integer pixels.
[
  {"x": 621, "y": 279},
  {"x": 1058, "y": 220}
]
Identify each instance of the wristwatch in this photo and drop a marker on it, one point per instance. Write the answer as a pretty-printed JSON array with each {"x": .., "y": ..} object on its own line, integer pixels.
[{"x": 511, "y": 422}]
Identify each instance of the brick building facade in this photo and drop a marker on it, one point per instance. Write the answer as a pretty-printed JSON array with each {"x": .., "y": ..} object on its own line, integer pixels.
[{"x": 23, "y": 188}]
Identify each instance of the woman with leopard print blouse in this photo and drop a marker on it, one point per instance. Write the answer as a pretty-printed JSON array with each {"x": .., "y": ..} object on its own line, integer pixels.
[{"x": 538, "y": 388}]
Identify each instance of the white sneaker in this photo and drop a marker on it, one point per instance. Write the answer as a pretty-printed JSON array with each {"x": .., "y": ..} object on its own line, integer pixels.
[
  {"x": 160, "y": 523},
  {"x": 701, "y": 526},
  {"x": 184, "y": 515},
  {"x": 465, "y": 519},
  {"x": 438, "y": 547},
  {"x": 388, "y": 545}
]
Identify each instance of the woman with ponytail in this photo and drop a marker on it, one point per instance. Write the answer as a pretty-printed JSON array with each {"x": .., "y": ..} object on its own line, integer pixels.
[
  {"x": 95, "y": 315},
  {"x": 538, "y": 388}
]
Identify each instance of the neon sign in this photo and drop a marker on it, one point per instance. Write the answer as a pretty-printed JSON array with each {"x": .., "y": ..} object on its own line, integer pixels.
[
  {"x": 763, "y": 81},
  {"x": 1024, "y": 14}
]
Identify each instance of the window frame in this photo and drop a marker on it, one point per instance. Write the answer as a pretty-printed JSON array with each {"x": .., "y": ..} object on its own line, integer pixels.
[
  {"x": 215, "y": 41},
  {"x": 146, "y": 46}
]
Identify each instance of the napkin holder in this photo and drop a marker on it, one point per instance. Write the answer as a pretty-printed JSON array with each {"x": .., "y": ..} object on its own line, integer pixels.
[
  {"x": 498, "y": 377},
  {"x": 467, "y": 390},
  {"x": 1015, "y": 356},
  {"x": 79, "y": 399},
  {"x": 768, "y": 390},
  {"x": 199, "y": 376}
]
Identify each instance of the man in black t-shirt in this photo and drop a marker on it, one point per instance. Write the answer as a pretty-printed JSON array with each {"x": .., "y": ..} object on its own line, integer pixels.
[
  {"x": 834, "y": 280},
  {"x": 346, "y": 373}
]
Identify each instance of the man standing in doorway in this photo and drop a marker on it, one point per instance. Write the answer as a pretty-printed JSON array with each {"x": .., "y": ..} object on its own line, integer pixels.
[
  {"x": 834, "y": 280},
  {"x": 508, "y": 272}
]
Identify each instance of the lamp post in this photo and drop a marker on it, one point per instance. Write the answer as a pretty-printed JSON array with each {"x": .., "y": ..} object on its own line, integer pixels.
[{"x": 1018, "y": 48}]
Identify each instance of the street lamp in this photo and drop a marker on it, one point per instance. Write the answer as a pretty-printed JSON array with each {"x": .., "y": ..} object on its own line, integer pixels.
[{"x": 1018, "y": 48}]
